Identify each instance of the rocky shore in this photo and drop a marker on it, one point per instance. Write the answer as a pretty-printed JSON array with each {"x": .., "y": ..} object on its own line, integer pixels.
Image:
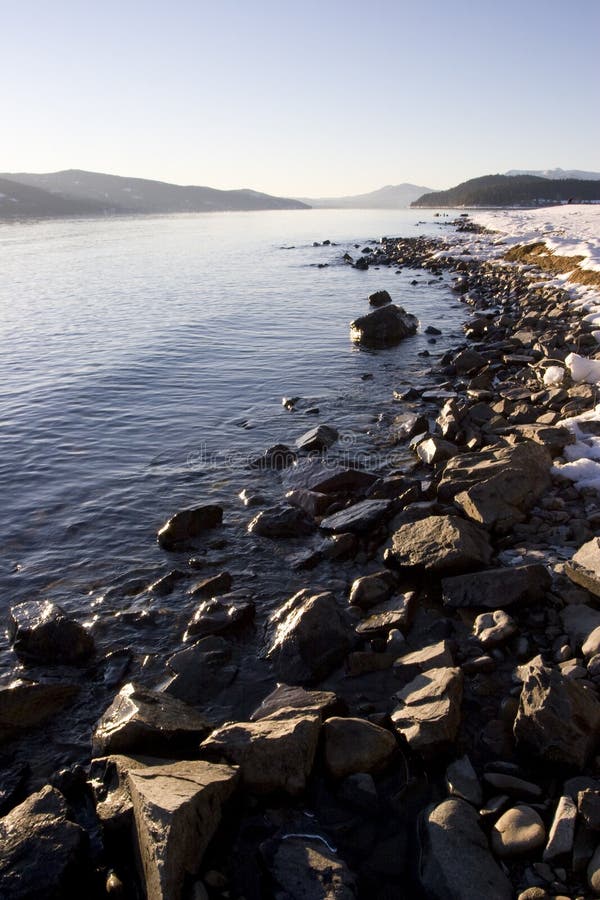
[{"x": 427, "y": 722}]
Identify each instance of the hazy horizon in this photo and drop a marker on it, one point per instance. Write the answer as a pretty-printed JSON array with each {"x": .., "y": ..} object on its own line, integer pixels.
[{"x": 312, "y": 102}]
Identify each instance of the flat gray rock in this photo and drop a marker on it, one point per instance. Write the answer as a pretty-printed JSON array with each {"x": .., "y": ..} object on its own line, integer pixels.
[
  {"x": 357, "y": 518},
  {"x": 441, "y": 544},
  {"x": 497, "y": 588},
  {"x": 584, "y": 567}
]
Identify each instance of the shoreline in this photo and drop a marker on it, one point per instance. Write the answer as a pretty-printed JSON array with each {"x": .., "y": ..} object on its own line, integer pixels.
[{"x": 337, "y": 744}]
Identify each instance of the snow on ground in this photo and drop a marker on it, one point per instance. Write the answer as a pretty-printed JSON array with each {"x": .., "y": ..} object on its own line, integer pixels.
[{"x": 570, "y": 230}]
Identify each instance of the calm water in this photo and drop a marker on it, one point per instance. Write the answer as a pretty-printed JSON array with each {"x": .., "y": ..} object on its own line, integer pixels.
[{"x": 144, "y": 360}]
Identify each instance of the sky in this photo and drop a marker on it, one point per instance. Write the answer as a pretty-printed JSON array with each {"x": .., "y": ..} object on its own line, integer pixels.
[{"x": 304, "y": 98}]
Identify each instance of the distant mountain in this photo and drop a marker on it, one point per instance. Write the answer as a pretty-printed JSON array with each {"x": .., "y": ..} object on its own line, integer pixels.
[
  {"x": 557, "y": 173},
  {"x": 75, "y": 192},
  {"x": 512, "y": 190},
  {"x": 392, "y": 196}
]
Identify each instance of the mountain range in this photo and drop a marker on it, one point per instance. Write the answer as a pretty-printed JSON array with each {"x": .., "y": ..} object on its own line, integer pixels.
[
  {"x": 75, "y": 193},
  {"x": 512, "y": 191},
  {"x": 392, "y": 196},
  {"x": 556, "y": 173}
]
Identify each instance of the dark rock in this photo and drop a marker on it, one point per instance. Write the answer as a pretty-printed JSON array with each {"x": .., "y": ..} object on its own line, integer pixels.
[
  {"x": 281, "y": 522},
  {"x": 428, "y": 714},
  {"x": 318, "y": 439},
  {"x": 384, "y": 327},
  {"x": 278, "y": 457},
  {"x": 315, "y": 475},
  {"x": 288, "y": 696},
  {"x": 201, "y": 672},
  {"x": 152, "y": 722},
  {"x": 441, "y": 544},
  {"x": 379, "y": 298},
  {"x": 588, "y": 804},
  {"x": 497, "y": 588},
  {"x": 356, "y": 745},
  {"x": 359, "y": 517},
  {"x": 213, "y": 586},
  {"x": 188, "y": 524},
  {"x": 311, "y": 637},
  {"x": 467, "y": 362},
  {"x": 454, "y": 846},
  {"x": 431, "y": 329},
  {"x": 369, "y": 590},
  {"x": 166, "y": 584},
  {"x": 24, "y": 705},
  {"x": 216, "y": 616},
  {"x": 41, "y": 632},
  {"x": 397, "y": 612},
  {"x": 41, "y": 851},
  {"x": 307, "y": 868},
  {"x": 13, "y": 776},
  {"x": 312, "y": 503},
  {"x": 558, "y": 719}
]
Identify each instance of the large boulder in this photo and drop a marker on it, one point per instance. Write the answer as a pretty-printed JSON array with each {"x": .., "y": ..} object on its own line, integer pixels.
[
  {"x": 441, "y": 544},
  {"x": 41, "y": 850},
  {"x": 455, "y": 857},
  {"x": 143, "y": 721},
  {"x": 202, "y": 671},
  {"x": 219, "y": 615},
  {"x": 558, "y": 719},
  {"x": 281, "y": 522},
  {"x": 497, "y": 588},
  {"x": 275, "y": 753},
  {"x": 385, "y": 327},
  {"x": 315, "y": 475},
  {"x": 428, "y": 714},
  {"x": 356, "y": 745},
  {"x": 188, "y": 524},
  {"x": 41, "y": 632},
  {"x": 25, "y": 704},
  {"x": 177, "y": 809},
  {"x": 286, "y": 696},
  {"x": 311, "y": 637},
  {"x": 584, "y": 567},
  {"x": 358, "y": 518},
  {"x": 317, "y": 439}
]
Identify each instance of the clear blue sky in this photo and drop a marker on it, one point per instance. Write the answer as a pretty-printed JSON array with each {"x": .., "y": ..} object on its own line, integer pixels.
[{"x": 300, "y": 97}]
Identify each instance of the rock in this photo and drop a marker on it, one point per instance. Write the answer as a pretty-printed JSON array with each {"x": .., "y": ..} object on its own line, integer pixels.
[
  {"x": 384, "y": 327},
  {"x": 312, "y": 503},
  {"x": 307, "y": 868},
  {"x": 395, "y": 613},
  {"x": 281, "y": 522},
  {"x": 311, "y": 637},
  {"x": 274, "y": 754},
  {"x": 286, "y": 696},
  {"x": 468, "y": 362},
  {"x": 41, "y": 851},
  {"x": 562, "y": 831},
  {"x": 494, "y": 628},
  {"x": 359, "y": 792},
  {"x": 379, "y": 298},
  {"x": 188, "y": 524},
  {"x": 114, "y": 807},
  {"x": 441, "y": 544},
  {"x": 593, "y": 871},
  {"x": 278, "y": 457},
  {"x": 25, "y": 704},
  {"x": 201, "y": 672},
  {"x": 408, "y": 425},
  {"x": 558, "y": 719},
  {"x": 356, "y": 745},
  {"x": 358, "y": 518},
  {"x": 165, "y": 585},
  {"x": 315, "y": 475},
  {"x": 591, "y": 645},
  {"x": 588, "y": 804},
  {"x": 213, "y": 586},
  {"x": 455, "y": 857},
  {"x": 433, "y": 656},
  {"x": 462, "y": 781},
  {"x": 369, "y": 590},
  {"x": 41, "y": 632},
  {"x": 428, "y": 714},
  {"x": 513, "y": 785},
  {"x": 497, "y": 588},
  {"x": 177, "y": 809},
  {"x": 584, "y": 567},
  {"x": 217, "y": 616},
  {"x": 518, "y": 831},
  {"x": 318, "y": 439},
  {"x": 151, "y": 722},
  {"x": 579, "y": 621},
  {"x": 435, "y": 449}
]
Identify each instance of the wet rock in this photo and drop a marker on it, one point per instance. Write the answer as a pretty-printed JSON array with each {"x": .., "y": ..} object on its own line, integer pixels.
[
  {"x": 518, "y": 831},
  {"x": 41, "y": 632},
  {"x": 24, "y": 704},
  {"x": 177, "y": 809},
  {"x": 315, "y": 475},
  {"x": 462, "y": 781},
  {"x": 584, "y": 567},
  {"x": 494, "y": 628},
  {"x": 151, "y": 722},
  {"x": 408, "y": 425},
  {"x": 213, "y": 586},
  {"x": 114, "y": 807},
  {"x": 497, "y": 588},
  {"x": 307, "y": 868},
  {"x": 201, "y": 672},
  {"x": 358, "y": 518},
  {"x": 318, "y": 439},
  {"x": 13, "y": 776},
  {"x": 188, "y": 524},
  {"x": 379, "y": 298},
  {"x": 369, "y": 590},
  {"x": 340, "y": 546},
  {"x": 275, "y": 753},
  {"x": 468, "y": 362},
  {"x": 277, "y": 457},
  {"x": 562, "y": 831},
  {"x": 218, "y": 616},
  {"x": 428, "y": 714},
  {"x": 281, "y": 522},
  {"x": 384, "y": 327},
  {"x": 453, "y": 844},
  {"x": 558, "y": 719},
  {"x": 435, "y": 449},
  {"x": 41, "y": 851},
  {"x": 251, "y": 498},
  {"x": 286, "y": 696},
  {"x": 356, "y": 745},
  {"x": 441, "y": 544},
  {"x": 312, "y": 503},
  {"x": 165, "y": 585},
  {"x": 311, "y": 637},
  {"x": 395, "y": 613}
]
